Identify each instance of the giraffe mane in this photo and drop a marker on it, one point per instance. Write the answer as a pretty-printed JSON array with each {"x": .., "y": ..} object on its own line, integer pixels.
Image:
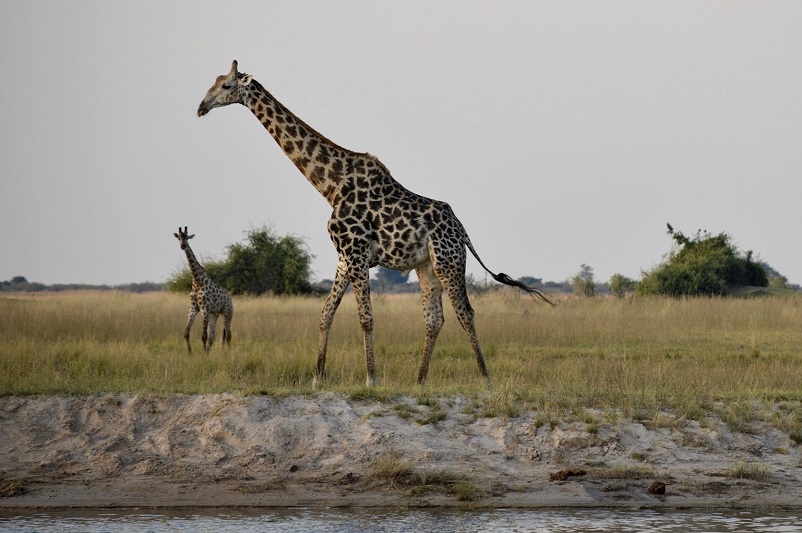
[{"x": 301, "y": 122}]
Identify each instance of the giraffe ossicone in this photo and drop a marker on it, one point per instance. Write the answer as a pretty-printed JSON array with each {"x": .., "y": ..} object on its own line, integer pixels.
[
  {"x": 206, "y": 297},
  {"x": 374, "y": 221}
]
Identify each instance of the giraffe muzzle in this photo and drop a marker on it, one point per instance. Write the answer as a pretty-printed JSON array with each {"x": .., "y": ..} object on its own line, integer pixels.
[{"x": 202, "y": 109}]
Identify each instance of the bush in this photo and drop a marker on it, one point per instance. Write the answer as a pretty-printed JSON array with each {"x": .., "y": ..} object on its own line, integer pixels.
[
  {"x": 705, "y": 265},
  {"x": 583, "y": 283},
  {"x": 620, "y": 285},
  {"x": 267, "y": 263}
]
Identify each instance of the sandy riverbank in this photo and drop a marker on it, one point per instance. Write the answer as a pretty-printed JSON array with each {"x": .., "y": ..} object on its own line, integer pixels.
[{"x": 228, "y": 450}]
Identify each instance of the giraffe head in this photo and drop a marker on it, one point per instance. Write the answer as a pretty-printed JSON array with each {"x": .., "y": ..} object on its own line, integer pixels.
[
  {"x": 183, "y": 237},
  {"x": 227, "y": 89}
]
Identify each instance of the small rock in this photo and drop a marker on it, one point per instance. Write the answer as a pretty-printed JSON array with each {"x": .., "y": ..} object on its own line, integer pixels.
[
  {"x": 11, "y": 489},
  {"x": 565, "y": 473},
  {"x": 657, "y": 487},
  {"x": 349, "y": 479}
]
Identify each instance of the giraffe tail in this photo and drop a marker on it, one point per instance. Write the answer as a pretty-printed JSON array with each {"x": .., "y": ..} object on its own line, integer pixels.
[{"x": 506, "y": 280}]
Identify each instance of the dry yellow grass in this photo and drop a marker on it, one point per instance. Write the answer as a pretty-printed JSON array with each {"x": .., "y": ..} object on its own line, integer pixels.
[{"x": 623, "y": 354}]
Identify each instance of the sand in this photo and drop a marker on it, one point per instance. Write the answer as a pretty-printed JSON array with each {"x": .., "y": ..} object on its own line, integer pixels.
[{"x": 230, "y": 450}]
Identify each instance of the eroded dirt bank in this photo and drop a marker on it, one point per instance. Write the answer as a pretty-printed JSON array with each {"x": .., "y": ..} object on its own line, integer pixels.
[{"x": 228, "y": 450}]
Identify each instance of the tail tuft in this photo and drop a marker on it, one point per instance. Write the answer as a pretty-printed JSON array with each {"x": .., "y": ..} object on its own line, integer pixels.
[
  {"x": 504, "y": 278},
  {"x": 501, "y": 277}
]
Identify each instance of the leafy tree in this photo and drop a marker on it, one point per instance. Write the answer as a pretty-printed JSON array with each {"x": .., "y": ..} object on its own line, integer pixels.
[
  {"x": 620, "y": 285},
  {"x": 531, "y": 281},
  {"x": 264, "y": 262},
  {"x": 704, "y": 265},
  {"x": 583, "y": 283},
  {"x": 267, "y": 263},
  {"x": 21, "y": 284},
  {"x": 771, "y": 272},
  {"x": 778, "y": 282}
]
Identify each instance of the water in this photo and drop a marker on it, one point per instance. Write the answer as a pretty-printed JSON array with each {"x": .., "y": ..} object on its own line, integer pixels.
[{"x": 390, "y": 521}]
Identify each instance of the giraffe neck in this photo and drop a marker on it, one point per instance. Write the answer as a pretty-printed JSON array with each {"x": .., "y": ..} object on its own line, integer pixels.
[
  {"x": 329, "y": 167},
  {"x": 198, "y": 273}
]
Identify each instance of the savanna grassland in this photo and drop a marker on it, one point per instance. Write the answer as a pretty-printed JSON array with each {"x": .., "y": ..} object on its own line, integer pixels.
[{"x": 625, "y": 354}]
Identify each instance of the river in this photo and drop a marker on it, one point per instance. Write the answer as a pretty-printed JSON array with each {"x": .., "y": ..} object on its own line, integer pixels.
[{"x": 390, "y": 521}]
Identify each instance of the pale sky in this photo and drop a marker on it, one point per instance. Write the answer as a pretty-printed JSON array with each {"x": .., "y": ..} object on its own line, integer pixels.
[{"x": 561, "y": 133}]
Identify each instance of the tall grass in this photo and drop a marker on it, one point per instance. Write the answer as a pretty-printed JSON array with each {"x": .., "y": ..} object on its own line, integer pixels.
[{"x": 628, "y": 354}]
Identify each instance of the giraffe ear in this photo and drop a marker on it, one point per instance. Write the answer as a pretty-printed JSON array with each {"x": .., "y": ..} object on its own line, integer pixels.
[
  {"x": 176, "y": 235},
  {"x": 245, "y": 80},
  {"x": 190, "y": 236}
]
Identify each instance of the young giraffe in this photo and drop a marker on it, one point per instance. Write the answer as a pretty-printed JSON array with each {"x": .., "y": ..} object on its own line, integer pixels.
[
  {"x": 206, "y": 296},
  {"x": 374, "y": 221}
]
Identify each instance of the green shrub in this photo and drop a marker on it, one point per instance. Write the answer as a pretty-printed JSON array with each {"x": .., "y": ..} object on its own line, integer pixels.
[
  {"x": 620, "y": 285},
  {"x": 705, "y": 265}
]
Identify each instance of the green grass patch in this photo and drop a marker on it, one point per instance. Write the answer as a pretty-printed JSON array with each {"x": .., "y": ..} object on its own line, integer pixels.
[
  {"x": 753, "y": 471},
  {"x": 401, "y": 476},
  {"x": 623, "y": 472}
]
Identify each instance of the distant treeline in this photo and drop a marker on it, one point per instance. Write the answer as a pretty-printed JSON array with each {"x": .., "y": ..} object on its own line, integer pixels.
[
  {"x": 702, "y": 264},
  {"x": 21, "y": 284}
]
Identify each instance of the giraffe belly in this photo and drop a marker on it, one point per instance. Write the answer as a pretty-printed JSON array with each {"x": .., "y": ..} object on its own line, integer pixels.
[
  {"x": 403, "y": 264},
  {"x": 403, "y": 255}
]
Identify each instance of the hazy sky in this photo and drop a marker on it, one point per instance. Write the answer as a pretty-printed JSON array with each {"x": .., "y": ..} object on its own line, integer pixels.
[{"x": 561, "y": 133}]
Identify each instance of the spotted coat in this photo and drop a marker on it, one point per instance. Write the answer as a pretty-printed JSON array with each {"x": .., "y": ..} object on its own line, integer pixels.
[
  {"x": 206, "y": 297},
  {"x": 374, "y": 221}
]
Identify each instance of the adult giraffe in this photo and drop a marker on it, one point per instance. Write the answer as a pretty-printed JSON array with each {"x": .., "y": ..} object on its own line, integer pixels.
[{"x": 374, "y": 221}]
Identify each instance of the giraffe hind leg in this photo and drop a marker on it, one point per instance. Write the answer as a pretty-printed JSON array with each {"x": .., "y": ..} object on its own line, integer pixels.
[
  {"x": 212, "y": 327},
  {"x": 432, "y": 299},
  {"x": 227, "y": 330},
  {"x": 458, "y": 295}
]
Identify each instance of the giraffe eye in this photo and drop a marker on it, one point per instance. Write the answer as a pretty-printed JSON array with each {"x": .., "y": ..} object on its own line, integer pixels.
[{"x": 226, "y": 86}]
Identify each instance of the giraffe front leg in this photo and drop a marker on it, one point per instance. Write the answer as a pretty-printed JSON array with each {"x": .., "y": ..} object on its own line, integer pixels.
[
  {"x": 360, "y": 281},
  {"x": 431, "y": 297},
  {"x": 192, "y": 312},
  {"x": 333, "y": 300}
]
